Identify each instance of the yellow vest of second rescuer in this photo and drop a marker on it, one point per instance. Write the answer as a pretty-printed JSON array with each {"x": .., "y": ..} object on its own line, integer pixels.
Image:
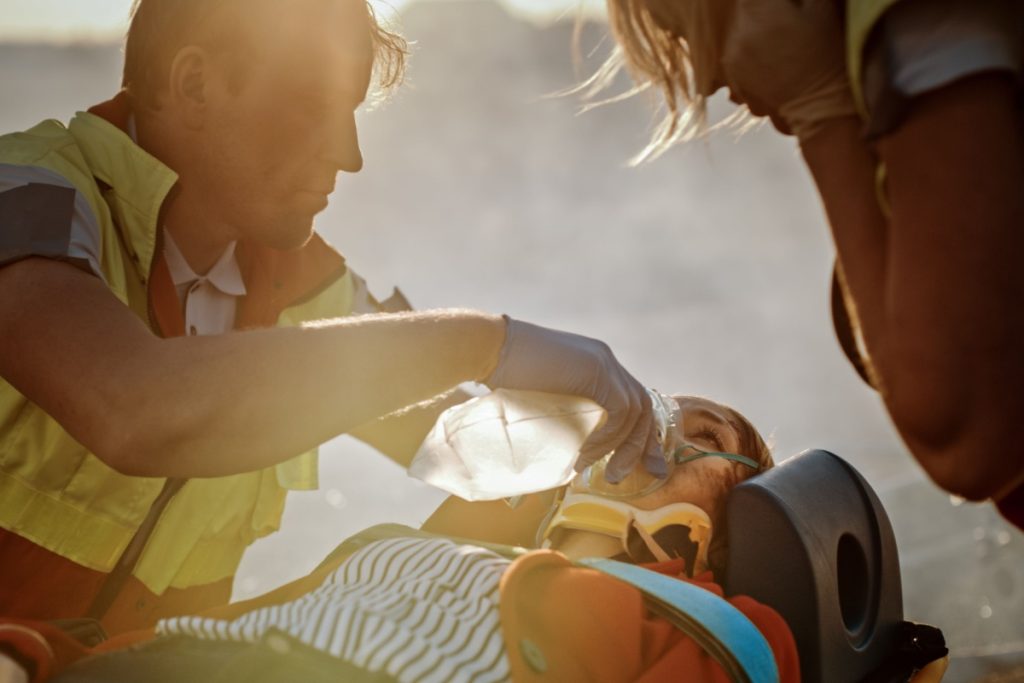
[{"x": 861, "y": 17}]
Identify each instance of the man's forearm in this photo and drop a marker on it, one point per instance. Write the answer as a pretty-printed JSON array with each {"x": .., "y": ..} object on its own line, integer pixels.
[
  {"x": 210, "y": 406},
  {"x": 250, "y": 399}
]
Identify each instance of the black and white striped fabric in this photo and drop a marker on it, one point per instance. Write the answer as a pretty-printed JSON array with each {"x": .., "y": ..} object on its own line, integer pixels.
[{"x": 417, "y": 609}]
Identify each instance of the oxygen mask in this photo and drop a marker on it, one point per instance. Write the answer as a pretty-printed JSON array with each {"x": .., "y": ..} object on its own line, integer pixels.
[{"x": 639, "y": 482}]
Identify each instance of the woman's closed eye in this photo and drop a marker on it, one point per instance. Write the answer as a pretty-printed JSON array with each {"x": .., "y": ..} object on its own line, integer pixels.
[{"x": 710, "y": 434}]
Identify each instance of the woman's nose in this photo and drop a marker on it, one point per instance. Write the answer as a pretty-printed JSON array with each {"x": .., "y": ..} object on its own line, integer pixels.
[{"x": 343, "y": 144}]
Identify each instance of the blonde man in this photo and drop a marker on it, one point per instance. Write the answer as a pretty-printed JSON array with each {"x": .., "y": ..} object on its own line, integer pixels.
[{"x": 163, "y": 368}]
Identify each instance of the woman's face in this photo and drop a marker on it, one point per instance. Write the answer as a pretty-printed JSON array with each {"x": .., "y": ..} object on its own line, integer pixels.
[
  {"x": 704, "y": 482},
  {"x": 681, "y": 19}
]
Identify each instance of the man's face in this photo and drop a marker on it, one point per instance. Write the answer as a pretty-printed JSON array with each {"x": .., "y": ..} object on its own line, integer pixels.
[{"x": 274, "y": 145}]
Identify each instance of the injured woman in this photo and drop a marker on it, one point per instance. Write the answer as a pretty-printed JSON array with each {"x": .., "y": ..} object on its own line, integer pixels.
[{"x": 465, "y": 598}]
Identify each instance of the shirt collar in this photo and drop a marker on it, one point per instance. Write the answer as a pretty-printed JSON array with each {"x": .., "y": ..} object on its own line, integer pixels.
[
  {"x": 131, "y": 129},
  {"x": 224, "y": 275},
  {"x": 135, "y": 184}
]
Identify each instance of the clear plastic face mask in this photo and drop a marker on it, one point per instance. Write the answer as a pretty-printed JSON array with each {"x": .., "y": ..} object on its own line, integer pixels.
[
  {"x": 667, "y": 419},
  {"x": 640, "y": 482}
]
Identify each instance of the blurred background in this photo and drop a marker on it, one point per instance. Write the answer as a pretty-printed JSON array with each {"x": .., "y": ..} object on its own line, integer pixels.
[{"x": 707, "y": 271}]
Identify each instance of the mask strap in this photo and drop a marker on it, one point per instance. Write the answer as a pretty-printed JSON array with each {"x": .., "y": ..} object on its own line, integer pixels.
[{"x": 741, "y": 459}]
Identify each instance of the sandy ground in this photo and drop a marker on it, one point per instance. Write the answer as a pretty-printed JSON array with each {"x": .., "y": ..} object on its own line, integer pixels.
[{"x": 707, "y": 272}]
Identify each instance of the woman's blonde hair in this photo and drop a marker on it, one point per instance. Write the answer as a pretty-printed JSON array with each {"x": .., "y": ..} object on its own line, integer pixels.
[
  {"x": 754, "y": 446},
  {"x": 674, "y": 46}
]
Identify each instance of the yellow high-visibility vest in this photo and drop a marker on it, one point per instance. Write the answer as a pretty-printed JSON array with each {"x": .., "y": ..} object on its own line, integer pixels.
[
  {"x": 861, "y": 18},
  {"x": 55, "y": 493}
]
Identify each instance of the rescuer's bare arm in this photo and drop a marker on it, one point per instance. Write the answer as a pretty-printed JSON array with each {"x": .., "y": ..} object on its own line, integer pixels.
[
  {"x": 209, "y": 406},
  {"x": 939, "y": 288},
  {"x": 400, "y": 434}
]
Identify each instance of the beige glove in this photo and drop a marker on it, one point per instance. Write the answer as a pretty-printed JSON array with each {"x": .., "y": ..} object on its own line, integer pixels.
[{"x": 786, "y": 59}]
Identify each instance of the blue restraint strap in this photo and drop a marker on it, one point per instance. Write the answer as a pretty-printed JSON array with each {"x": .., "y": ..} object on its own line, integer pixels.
[{"x": 721, "y": 629}]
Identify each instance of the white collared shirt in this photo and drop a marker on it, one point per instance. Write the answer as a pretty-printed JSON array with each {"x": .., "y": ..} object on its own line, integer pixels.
[{"x": 208, "y": 302}]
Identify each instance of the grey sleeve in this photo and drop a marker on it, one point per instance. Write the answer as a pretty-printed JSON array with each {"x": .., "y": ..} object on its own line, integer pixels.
[
  {"x": 42, "y": 214},
  {"x": 923, "y": 45}
]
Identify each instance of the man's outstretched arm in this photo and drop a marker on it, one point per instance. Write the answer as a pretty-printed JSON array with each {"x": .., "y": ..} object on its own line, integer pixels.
[
  {"x": 208, "y": 406},
  {"x": 216, "y": 405}
]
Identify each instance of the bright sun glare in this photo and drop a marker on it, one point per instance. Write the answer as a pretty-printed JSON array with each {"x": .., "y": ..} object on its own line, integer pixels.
[{"x": 106, "y": 19}]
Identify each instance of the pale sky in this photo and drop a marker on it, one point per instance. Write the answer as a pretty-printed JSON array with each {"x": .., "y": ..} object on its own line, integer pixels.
[{"x": 62, "y": 20}]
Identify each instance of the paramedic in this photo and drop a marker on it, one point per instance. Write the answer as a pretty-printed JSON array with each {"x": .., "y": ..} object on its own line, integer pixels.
[
  {"x": 158, "y": 263},
  {"x": 915, "y": 139}
]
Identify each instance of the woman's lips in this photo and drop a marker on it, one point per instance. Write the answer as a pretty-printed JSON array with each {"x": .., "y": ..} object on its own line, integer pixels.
[{"x": 314, "y": 198}]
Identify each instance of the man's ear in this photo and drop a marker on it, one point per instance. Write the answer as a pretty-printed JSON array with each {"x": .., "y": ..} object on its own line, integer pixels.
[{"x": 188, "y": 87}]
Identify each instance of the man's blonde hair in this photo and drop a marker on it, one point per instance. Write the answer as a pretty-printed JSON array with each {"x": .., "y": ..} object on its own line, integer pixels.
[
  {"x": 160, "y": 28},
  {"x": 671, "y": 45}
]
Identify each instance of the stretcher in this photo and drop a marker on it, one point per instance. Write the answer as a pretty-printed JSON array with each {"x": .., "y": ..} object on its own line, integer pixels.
[
  {"x": 811, "y": 539},
  {"x": 808, "y": 538}
]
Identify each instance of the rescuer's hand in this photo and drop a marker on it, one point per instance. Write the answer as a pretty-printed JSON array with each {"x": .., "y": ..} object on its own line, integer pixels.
[
  {"x": 540, "y": 359},
  {"x": 786, "y": 59}
]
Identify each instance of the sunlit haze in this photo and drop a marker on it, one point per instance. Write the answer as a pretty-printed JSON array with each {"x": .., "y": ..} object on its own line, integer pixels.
[
  {"x": 71, "y": 20},
  {"x": 708, "y": 270}
]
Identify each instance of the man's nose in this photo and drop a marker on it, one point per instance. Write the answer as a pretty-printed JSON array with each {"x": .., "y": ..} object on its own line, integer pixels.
[{"x": 342, "y": 144}]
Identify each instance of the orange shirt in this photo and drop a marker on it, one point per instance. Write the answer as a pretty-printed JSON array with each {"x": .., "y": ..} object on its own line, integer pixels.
[
  {"x": 40, "y": 585},
  {"x": 567, "y": 623}
]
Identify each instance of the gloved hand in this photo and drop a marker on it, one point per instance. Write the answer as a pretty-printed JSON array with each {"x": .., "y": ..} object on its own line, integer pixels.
[
  {"x": 786, "y": 59},
  {"x": 540, "y": 359}
]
